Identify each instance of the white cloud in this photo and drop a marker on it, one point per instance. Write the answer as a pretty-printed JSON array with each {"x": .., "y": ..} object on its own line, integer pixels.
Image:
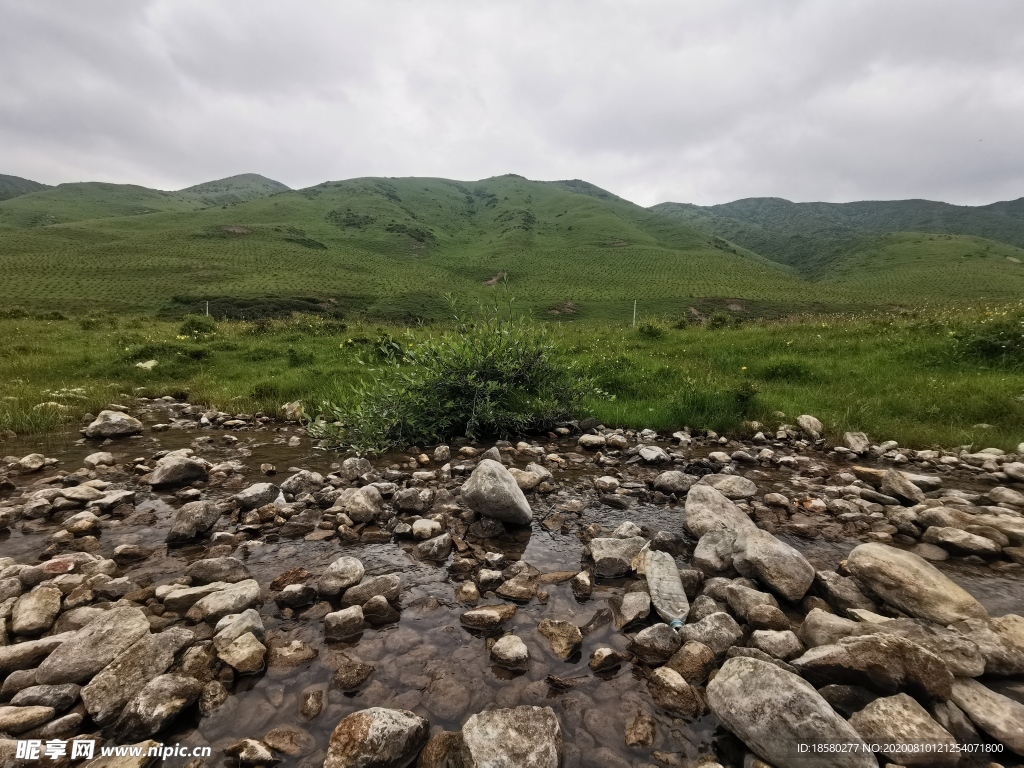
[{"x": 658, "y": 100}]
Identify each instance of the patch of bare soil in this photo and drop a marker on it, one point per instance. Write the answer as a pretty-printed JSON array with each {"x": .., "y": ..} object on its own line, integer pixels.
[{"x": 496, "y": 279}]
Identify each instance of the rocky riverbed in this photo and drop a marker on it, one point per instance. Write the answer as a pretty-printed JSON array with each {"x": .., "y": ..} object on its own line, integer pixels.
[{"x": 591, "y": 598}]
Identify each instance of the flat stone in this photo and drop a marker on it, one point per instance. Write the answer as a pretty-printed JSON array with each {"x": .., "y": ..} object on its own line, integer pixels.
[
  {"x": 999, "y": 716},
  {"x": 563, "y": 637},
  {"x": 94, "y": 646},
  {"x": 901, "y": 720},
  {"x": 524, "y": 737},
  {"x": 488, "y": 617},
  {"x": 15, "y": 720},
  {"x": 377, "y": 738}
]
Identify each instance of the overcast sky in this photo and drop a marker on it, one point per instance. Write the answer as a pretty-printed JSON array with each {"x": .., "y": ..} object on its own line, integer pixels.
[{"x": 700, "y": 102}]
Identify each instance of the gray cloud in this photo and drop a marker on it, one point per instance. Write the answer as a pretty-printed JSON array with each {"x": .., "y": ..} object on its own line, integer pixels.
[{"x": 654, "y": 100}]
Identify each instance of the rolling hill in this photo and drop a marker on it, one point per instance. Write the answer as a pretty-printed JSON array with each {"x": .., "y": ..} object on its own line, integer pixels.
[
  {"x": 815, "y": 238},
  {"x": 392, "y": 248},
  {"x": 13, "y": 186}
]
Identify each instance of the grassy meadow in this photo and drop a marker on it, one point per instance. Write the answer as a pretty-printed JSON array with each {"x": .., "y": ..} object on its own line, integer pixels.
[{"x": 896, "y": 376}]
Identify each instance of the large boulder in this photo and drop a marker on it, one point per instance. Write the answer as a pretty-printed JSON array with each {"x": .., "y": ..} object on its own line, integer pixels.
[
  {"x": 1000, "y": 717},
  {"x": 665, "y": 586},
  {"x": 156, "y": 705},
  {"x": 886, "y": 663},
  {"x": 999, "y": 642},
  {"x": 113, "y": 424},
  {"x": 493, "y": 492},
  {"x": 193, "y": 519},
  {"x": 377, "y": 738},
  {"x": 673, "y": 481},
  {"x": 908, "y": 582},
  {"x": 709, "y": 510},
  {"x": 772, "y": 711},
  {"x": 178, "y": 468},
  {"x": 759, "y": 555},
  {"x": 524, "y": 737},
  {"x": 93, "y": 646},
  {"x": 901, "y": 720},
  {"x": 257, "y": 495},
  {"x": 122, "y": 679}
]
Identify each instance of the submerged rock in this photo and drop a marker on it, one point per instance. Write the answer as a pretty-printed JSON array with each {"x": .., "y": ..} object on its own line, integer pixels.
[{"x": 524, "y": 737}]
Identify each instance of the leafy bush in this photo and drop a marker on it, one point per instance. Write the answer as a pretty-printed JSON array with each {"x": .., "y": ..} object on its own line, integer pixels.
[
  {"x": 999, "y": 340},
  {"x": 197, "y": 326},
  {"x": 492, "y": 376},
  {"x": 719, "y": 320},
  {"x": 650, "y": 329}
]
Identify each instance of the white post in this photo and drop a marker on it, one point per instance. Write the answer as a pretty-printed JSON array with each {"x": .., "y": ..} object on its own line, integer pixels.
[
  {"x": 207, "y": 309},
  {"x": 634, "y": 313}
]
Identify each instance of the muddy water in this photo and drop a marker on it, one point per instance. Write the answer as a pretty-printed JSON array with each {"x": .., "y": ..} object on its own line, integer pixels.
[{"x": 428, "y": 662}]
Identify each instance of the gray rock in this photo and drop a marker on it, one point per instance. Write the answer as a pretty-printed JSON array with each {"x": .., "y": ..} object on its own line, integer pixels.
[
  {"x": 488, "y": 617},
  {"x": 718, "y": 631},
  {"x": 229, "y": 570},
  {"x": 614, "y": 557},
  {"x": 191, "y": 520},
  {"x": 15, "y": 720},
  {"x": 112, "y": 424},
  {"x": 364, "y": 504},
  {"x": 176, "y": 468},
  {"x": 910, "y": 583},
  {"x": 245, "y": 654},
  {"x": 232, "y": 599},
  {"x": 524, "y": 737},
  {"x": 388, "y": 585},
  {"x": 128, "y": 674},
  {"x": 772, "y": 710},
  {"x": 671, "y": 691},
  {"x": 653, "y": 454},
  {"x": 896, "y": 484},
  {"x": 886, "y": 663},
  {"x": 156, "y": 705},
  {"x": 999, "y": 643},
  {"x": 730, "y": 486},
  {"x": 179, "y": 599},
  {"x": 378, "y": 611},
  {"x": 563, "y": 637},
  {"x": 60, "y": 697},
  {"x": 252, "y": 752},
  {"x": 94, "y": 646},
  {"x": 344, "y": 624},
  {"x": 960, "y": 542},
  {"x": 511, "y": 652},
  {"x": 709, "y": 510},
  {"x": 631, "y": 607},
  {"x": 34, "y": 612},
  {"x": 257, "y": 495},
  {"x": 377, "y": 738},
  {"x": 759, "y": 555},
  {"x": 713, "y": 553},
  {"x": 857, "y": 442},
  {"x": 780, "y": 644},
  {"x": 841, "y": 592},
  {"x": 1000, "y": 717},
  {"x": 22, "y": 656},
  {"x": 674, "y": 482},
  {"x": 656, "y": 644},
  {"x": 231, "y": 627},
  {"x": 901, "y": 720},
  {"x": 493, "y": 492},
  {"x": 303, "y": 481},
  {"x": 811, "y": 426},
  {"x": 437, "y": 548}
]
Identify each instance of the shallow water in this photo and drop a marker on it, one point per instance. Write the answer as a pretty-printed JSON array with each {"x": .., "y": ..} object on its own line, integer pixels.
[{"x": 428, "y": 662}]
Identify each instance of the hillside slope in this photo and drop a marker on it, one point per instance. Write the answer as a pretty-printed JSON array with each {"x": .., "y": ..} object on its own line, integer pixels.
[
  {"x": 83, "y": 201},
  {"x": 813, "y": 237},
  {"x": 234, "y": 189},
  {"x": 13, "y": 186},
  {"x": 391, "y": 248}
]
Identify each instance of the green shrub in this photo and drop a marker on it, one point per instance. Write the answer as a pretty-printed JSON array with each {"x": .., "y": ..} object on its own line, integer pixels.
[
  {"x": 650, "y": 329},
  {"x": 719, "y": 320},
  {"x": 492, "y": 376},
  {"x": 999, "y": 340},
  {"x": 197, "y": 326}
]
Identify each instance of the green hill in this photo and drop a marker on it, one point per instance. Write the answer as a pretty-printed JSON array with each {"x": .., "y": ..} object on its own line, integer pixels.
[
  {"x": 234, "y": 189},
  {"x": 13, "y": 186},
  {"x": 391, "y": 249},
  {"x": 814, "y": 237},
  {"x": 97, "y": 200}
]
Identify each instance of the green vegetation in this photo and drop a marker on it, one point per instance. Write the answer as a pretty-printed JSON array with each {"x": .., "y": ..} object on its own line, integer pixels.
[
  {"x": 13, "y": 186},
  {"x": 912, "y": 377},
  {"x": 387, "y": 250},
  {"x": 497, "y": 375}
]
